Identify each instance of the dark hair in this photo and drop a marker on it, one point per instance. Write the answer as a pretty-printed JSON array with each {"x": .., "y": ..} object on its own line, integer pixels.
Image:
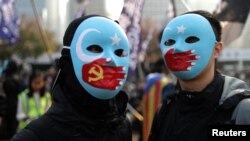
[
  {"x": 160, "y": 35},
  {"x": 12, "y": 67},
  {"x": 35, "y": 74},
  {"x": 212, "y": 20}
]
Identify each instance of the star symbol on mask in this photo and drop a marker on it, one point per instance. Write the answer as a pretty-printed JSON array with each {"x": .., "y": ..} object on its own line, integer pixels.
[
  {"x": 181, "y": 29},
  {"x": 115, "y": 40}
]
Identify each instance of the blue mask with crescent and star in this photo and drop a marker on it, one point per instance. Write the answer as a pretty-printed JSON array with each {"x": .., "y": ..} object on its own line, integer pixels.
[
  {"x": 187, "y": 45},
  {"x": 100, "y": 56}
]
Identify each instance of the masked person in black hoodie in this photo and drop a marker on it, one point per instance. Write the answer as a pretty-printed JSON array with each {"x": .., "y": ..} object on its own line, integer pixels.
[
  {"x": 203, "y": 97},
  {"x": 88, "y": 101}
]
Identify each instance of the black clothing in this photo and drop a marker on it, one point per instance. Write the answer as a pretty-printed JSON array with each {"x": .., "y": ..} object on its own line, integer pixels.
[
  {"x": 188, "y": 114},
  {"x": 11, "y": 88},
  {"x": 63, "y": 121}
]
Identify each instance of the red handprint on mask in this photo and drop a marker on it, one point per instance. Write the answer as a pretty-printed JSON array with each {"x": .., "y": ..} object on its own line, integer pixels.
[
  {"x": 97, "y": 74},
  {"x": 180, "y": 61}
]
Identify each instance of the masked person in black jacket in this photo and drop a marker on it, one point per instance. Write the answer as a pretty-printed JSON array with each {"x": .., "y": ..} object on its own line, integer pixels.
[
  {"x": 190, "y": 45},
  {"x": 88, "y": 101}
]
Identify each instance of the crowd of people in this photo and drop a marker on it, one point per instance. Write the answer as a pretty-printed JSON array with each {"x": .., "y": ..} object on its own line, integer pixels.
[{"x": 24, "y": 96}]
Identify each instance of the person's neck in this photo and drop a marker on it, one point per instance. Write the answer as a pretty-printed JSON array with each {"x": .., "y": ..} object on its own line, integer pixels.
[{"x": 199, "y": 83}]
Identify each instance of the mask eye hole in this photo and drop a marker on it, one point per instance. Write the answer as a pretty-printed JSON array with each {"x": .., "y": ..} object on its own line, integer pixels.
[
  {"x": 120, "y": 52},
  {"x": 95, "y": 49},
  {"x": 169, "y": 42},
  {"x": 191, "y": 39}
]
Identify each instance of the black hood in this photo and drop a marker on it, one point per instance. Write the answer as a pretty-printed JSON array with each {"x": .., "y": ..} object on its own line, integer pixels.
[{"x": 81, "y": 111}]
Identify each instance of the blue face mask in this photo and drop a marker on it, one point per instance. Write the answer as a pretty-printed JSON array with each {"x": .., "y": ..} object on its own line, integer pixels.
[
  {"x": 187, "y": 45},
  {"x": 100, "y": 56}
]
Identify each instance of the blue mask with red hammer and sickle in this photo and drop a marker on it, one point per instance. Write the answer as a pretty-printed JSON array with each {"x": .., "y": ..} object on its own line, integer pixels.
[
  {"x": 100, "y": 56},
  {"x": 187, "y": 45}
]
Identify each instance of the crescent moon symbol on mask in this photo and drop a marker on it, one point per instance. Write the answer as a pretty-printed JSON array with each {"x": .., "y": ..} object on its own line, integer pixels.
[{"x": 79, "y": 52}]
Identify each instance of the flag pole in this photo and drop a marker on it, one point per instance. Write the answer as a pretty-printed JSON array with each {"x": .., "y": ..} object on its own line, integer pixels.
[
  {"x": 41, "y": 30},
  {"x": 134, "y": 112},
  {"x": 186, "y": 5}
]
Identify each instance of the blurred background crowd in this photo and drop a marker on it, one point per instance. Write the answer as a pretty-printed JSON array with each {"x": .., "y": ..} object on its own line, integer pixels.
[{"x": 31, "y": 33}]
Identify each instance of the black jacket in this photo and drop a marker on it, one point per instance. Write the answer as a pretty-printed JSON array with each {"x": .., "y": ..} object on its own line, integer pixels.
[
  {"x": 188, "y": 114},
  {"x": 11, "y": 89},
  {"x": 90, "y": 120}
]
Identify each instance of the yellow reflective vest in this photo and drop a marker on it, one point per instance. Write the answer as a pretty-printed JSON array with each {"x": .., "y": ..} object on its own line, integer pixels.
[{"x": 33, "y": 108}]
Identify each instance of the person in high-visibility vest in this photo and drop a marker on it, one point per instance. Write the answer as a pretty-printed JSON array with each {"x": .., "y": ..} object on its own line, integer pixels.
[{"x": 33, "y": 101}]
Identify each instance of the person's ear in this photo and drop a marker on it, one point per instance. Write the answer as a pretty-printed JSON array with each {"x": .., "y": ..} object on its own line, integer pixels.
[{"x": 218, "y": 49}]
